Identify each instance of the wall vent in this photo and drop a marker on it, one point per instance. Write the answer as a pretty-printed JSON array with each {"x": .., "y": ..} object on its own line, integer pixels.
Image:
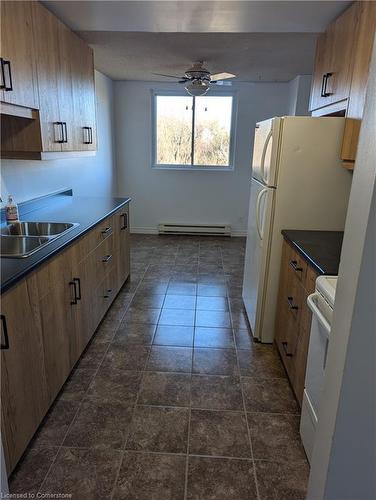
[{"x": 192, "y": 229}]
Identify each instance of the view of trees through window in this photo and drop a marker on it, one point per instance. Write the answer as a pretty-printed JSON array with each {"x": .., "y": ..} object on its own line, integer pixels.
[{"x": 177, "y": 116}]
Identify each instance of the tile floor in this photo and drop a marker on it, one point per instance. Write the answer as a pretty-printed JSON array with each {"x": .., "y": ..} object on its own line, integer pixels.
[{"x": 172, "y": 399}]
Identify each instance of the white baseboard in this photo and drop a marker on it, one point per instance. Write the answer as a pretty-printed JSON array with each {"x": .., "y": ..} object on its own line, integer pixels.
[{"x": 154, "y": 230}]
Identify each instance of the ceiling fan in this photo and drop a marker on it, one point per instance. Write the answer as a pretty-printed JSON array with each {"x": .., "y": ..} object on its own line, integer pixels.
[{"x": 198, "y": 79}]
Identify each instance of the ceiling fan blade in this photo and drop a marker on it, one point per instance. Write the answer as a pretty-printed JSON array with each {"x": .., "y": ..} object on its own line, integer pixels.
[
  {"x": 222, "y": 76},
  {"x": 167, "y": 76}
]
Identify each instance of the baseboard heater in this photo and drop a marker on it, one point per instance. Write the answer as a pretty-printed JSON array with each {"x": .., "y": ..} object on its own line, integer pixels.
[{"x": 192, "y": 229}]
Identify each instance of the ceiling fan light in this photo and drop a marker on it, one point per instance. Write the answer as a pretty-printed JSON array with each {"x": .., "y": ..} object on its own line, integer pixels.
[{"x": 197, "y": 88}]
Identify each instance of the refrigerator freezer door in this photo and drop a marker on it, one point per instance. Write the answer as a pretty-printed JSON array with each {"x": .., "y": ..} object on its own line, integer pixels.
[
  {"x": 260, "y": 216},
  {"x": 265, "y": 152}
]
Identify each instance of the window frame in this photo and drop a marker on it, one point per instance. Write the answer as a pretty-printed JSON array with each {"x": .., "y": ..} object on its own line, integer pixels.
[{"x": 208, "y": 168}]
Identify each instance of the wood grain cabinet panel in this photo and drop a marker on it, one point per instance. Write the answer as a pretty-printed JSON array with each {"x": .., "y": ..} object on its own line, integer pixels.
[
  {"x": 122, "y": 235},
  {"x": 17, "y": 53},
  {"x": 24, "y": 394},
  {"x": 293, "y": 317}
]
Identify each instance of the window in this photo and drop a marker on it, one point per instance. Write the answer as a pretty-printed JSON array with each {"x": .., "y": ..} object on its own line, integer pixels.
[{"x": 193, "y": 132}]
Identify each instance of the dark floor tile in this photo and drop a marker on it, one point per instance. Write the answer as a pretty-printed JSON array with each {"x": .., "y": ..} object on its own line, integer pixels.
[
  {"x": 84, "y": 474},
  {"x": 212, "y": 303},
  {"x": 243, "y": 338},
  {"x": 77, "y": 384},
  {"x": 174, "y": 336},
  {"x": 151, "y": 476},
  {"x": 234, "y": 291},
  {"x": 239, "y": 320},
  {"x": 159, "y": 429},
  {"x": 165, "y": 389},
  {"x": 142, "y": 315},
  {"x": 181, "y": 288},
  {"x": 212, "y": 290},
  {"x": 28, "y": 476},
  {"x": 147, "y": 301},
  {"x": 126, "y": 357},
  {"x": 261, "y": 359},
  {"x": 179, "y": 302},
  {"x": 214, "y": 319},
  {"x": 220, "y": 479},
  {"x": 170, "y": 359},
  {"x": 219, "y": 433},
  {"x": 56, "y": 424},
  {"x": 270, "y": 396},
  {"x": 153, "y": 286},
  {"x": 213, "y": 337},
  {"x": 93, "y": 355},
  {"x": 215, "y": 361},
  {"x": 275, "y": 437},
  {"x": 100, "y": 425},
  {"x": 114, "y": 385},
  {"x": 134, "y": 333},
  {"x": 282, "y": 481},
  {"x": 216, "y": 392},
  {"x": 178, "y": 317},
  {"x": 106, "y": 330}
]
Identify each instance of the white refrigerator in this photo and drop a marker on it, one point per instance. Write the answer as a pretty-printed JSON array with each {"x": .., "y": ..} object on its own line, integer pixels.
[{"x": 297, "y": 182}]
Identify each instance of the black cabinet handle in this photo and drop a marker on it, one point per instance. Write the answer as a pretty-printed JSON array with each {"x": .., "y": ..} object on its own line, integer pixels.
[
  {"x": 65, "y": 133},
  {"x": 75, "y": 299},
  {"x": 107, "y": 258},
  {"x": 125, "y": 221},
  {"x": 290, "y": 301},
  {"x": 78, "y": 281},
  {"x": 324, "y": 85},
  {"x": 61, "y": 131},
  {"x": 107, "y": 230},
  {"x": 91, "y": 135},
  {"x": 4, "y": 345},
  {"x": 108, "y": 293},
  {"x": 284, "y": 346},
  {"x": 4, "y": 86},
  {"x": 293, "y": 264}
]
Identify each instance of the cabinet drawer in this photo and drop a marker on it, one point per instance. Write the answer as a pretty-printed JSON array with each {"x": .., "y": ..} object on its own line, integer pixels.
[
  {"x": 94, "y": 237},
  {"x": 297, "y": 266},
  {"x": 103, "y": 258},
  {"x": 105, "y": 293}
]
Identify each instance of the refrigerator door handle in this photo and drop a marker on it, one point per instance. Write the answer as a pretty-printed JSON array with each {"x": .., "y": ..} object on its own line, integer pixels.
[
  {"x": 262, "y": 166},
  {"x": 258, "y": 203}
]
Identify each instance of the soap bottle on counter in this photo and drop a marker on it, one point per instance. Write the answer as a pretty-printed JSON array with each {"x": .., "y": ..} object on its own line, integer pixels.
[{"x": 11, "y": 209}]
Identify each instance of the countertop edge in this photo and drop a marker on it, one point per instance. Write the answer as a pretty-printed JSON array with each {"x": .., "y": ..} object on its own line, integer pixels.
[
  {"x": 5, "y": 286},
  {"x": 305, "y": 256}
]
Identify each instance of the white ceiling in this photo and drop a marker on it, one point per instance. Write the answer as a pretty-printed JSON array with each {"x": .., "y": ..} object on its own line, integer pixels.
[{"x": 258, "y": 41}]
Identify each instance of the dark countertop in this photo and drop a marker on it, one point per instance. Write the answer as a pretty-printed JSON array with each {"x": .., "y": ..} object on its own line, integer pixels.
[
  {"x": 321, "y": 249},
  {"x": 87, "y": 211}
]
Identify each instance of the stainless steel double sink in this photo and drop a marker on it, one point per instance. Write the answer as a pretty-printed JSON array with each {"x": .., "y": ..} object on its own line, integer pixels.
[{"x": 21, "y": 239}]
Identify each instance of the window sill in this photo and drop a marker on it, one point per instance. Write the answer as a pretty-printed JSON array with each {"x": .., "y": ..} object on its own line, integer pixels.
[{"x": 201, "y": 168}]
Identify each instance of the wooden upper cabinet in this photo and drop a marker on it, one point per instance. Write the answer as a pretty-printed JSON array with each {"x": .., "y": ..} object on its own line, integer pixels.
[
  {"x": 46, "y": 36},
  {"x": 334, "y": 61},
  {"x": 18, "y": 75},
  {"x": 362, "y": 59},
  {"x": 82, "y": 67}
]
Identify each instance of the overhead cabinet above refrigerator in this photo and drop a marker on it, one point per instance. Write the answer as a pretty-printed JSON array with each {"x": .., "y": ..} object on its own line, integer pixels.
[{"x": 296, "y": 183}]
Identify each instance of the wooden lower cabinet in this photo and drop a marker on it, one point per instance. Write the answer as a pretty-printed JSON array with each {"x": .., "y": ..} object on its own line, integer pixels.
[
  {"x": 49, "y": 318},
  {"x": 293, "y": 319}
]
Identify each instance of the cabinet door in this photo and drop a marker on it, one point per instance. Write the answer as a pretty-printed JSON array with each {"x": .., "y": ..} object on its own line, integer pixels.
[
  {"x": 55, "y": 298},
  {"x": 18, "y": 54},
  {"x": 342, "y": 36},
  {"x": 48, "y": 67},
  {"x": 362, "y": 57},
  {"x": 83, "y": 95},
  {"x": 23, "y": 379},
  {"x": 322, "y": 59},
  {"x": 122, "y": 235},
  {"x": 65, "y": 90}
]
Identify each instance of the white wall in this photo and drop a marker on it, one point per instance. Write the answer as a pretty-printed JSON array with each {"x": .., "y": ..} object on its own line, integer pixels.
[
  {"x": 300, "y": 88},
  {"x": 87, "y": 176},
  {"x": 187, "y": 196}
]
